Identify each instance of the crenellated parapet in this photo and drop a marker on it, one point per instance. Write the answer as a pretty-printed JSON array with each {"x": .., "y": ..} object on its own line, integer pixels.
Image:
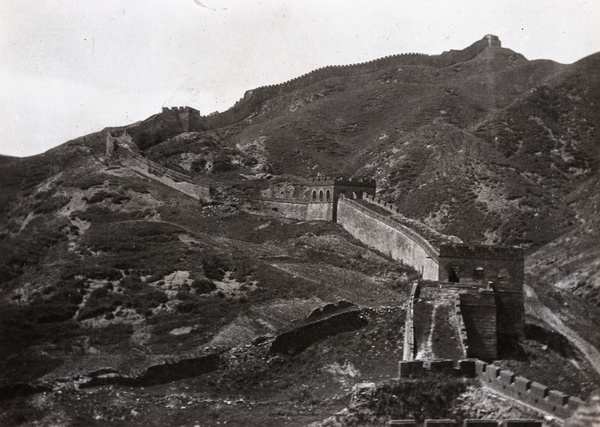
[
  {"x": 390, "y": 207},
  {"x": 388, "y": 236},
  {"x": 518, "y": 388},
  {"x": 355, "y": 182},
  {"x": 433, "y": 236},
  {"x": 252, "y": 99},
  {"x": 529, "y": 392},
  {"x": 179, "y": 109}
]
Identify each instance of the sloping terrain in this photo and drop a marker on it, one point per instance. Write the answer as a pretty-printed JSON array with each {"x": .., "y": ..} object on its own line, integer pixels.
[
  {"x": 498, "y": 139},
  {"x": 123, "y": 301},
  {"x": 109, "y": 276}
]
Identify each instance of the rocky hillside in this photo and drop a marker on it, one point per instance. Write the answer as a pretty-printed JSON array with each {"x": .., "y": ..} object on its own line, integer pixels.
[
  {"x": 123, "y": 301},
  {"x": 497, "y": 141}
]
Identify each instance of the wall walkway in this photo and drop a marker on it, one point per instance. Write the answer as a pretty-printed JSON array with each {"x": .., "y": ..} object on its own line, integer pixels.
[
  {"x": 177, "y": 181},
  {"x": 408, "y": 349},
  {"x": 389, "y": 237}
]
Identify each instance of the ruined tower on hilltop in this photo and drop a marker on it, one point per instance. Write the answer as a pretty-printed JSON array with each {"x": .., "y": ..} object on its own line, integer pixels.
[{"x": 493, "y": 40}]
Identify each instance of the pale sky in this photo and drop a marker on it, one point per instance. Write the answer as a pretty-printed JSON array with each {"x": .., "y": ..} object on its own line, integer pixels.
[{"x": 71, "y": 67}]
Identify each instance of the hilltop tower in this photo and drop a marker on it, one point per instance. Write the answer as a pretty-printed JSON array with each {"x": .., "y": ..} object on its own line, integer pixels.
[{"x": 493, "y": 40}]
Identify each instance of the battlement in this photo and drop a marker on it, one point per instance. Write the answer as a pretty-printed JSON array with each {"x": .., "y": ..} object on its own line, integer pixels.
[
  {"x": 468, "y": 423},
  {"x": 434, "y": 237},
  {"x": 390, "y": 207},
  {"x": 253, "y": 98},
  {"x": 528, "y": 392},
  {"x": 179, "y": 109},
  {"x": 354, "y": 182}
]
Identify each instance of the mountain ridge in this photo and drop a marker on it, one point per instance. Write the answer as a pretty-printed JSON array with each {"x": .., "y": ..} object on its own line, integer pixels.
[{"x": 114, "y": 273}]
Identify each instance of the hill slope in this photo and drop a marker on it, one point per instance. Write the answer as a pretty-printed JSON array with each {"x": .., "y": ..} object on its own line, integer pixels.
[{"x": 111, "y": 279}]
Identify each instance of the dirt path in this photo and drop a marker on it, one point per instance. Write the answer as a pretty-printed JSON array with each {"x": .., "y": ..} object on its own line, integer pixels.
[{"x": 536, "y": 308}]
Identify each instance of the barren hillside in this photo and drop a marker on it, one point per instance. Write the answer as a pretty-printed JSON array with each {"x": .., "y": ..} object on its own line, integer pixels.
[{"x": 126, "y": 302}]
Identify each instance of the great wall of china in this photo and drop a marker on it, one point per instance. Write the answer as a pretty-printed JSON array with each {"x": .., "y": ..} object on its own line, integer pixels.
[
  {"x": 186, "y": 119},
  {"x": 388, "y": 237},
  {"x": 488, "y": 301},
  {"x": 505, "y": 382},
  {"x": 468, "y": 423},
  {"x": 378, "y": 224},
  {"x": 122, "y": 149},
  {"x": 252, "y": 99},
  {"x": 478, "y": 288}
]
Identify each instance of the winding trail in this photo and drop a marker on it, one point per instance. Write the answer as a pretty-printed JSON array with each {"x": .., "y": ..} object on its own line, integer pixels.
[{"x": 536, "y": 308}]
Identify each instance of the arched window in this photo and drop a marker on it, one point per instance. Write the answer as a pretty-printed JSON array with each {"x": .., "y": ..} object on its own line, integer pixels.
[
  {"x": 314, "y": 194},
  {"x": 321, "y": 195},
  {"x": 327, "y": 195},
  {"x": 453, "y": 274}
]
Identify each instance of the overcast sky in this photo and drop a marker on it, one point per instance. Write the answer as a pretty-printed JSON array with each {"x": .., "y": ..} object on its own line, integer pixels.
[{"x": 71, "y": 67}]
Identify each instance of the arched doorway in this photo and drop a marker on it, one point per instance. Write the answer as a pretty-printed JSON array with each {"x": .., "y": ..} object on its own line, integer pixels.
[{"x": 453, "y": 276}]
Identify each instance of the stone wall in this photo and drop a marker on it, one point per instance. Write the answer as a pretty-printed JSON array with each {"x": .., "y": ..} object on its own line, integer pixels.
[
  {"x": 487, "y": 313},
  {"x": 294, "y": 209},
  {"x": 468, "y": 423},
  {"x": 253, "y": 99},
  {"x": 460, "y": 325},
  {"x": 299, "y": 338},
  {"x": 320, "y": 211},
  {"x": 521, "y": 389},
  {"x": 434, "y": 237},
  {"x": 526, "y": 391},
  {"x": 408, "y": 349},
  {"x": 387, "y": 236},
  {"x": 168, "y": 123},
  {"x": 478, "y": 311},
  {"x": 511, "y": 313},
  {"x": 501, "y": 267},
  {"x": 280, "y": 208},
  {"x": 178, "y": 181}
]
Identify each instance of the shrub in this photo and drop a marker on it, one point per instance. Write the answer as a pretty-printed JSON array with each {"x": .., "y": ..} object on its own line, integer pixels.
[
  {"x": 214, "y": 267},
  {"x": 203, "y": 286}
]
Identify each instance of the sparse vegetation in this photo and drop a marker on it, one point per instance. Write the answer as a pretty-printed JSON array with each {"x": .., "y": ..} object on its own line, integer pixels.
[{"x": 105, "y": 272}]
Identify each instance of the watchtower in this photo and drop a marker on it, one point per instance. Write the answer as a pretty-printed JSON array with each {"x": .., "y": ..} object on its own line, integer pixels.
[
  {"x": 324, "y": 189},
  {"x": 493, "y": 40},
  {"x": 491, "y": 281}
]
